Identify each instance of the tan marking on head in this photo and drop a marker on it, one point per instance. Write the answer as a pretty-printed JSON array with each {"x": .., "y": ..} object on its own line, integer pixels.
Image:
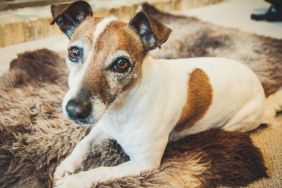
[
  {"x": 117, "y": 36},
  {"x": 199, "y": 98}
]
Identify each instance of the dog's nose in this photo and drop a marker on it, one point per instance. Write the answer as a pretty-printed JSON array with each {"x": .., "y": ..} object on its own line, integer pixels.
[{"x": 79, "y": 109}]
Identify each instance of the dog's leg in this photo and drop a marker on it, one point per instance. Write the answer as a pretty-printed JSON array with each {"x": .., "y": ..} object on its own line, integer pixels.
[
  {"x": 273, "y": 105},
  {"x": 143, "y": 157},
  {"x": 79, "y": 154},
  {"x": 249, "y": 117},
  {"x": 88, "y": 179}
]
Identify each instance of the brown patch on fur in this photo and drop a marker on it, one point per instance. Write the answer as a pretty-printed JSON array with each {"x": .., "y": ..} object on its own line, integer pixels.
[
  {"x": 192, "y": 37},
  {"x": 199, "y": 98}
]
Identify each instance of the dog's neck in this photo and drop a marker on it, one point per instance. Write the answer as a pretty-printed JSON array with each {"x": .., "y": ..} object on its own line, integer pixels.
[{"x": 139, "y": 105}]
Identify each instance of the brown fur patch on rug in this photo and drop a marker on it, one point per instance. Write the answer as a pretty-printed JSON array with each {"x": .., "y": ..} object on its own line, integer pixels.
[
  {"x": 192, "y": 37},
  {"x": 35, "y": 137}
]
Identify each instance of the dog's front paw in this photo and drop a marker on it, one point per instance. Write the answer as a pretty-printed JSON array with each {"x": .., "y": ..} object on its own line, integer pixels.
[
  {"x": 79, "y": 180},
  {"x": 66, "y": 168}
]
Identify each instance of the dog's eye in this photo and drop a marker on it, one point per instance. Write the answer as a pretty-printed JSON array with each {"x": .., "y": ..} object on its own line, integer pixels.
[
  {"x": 75, "y": 54},
  {"x": 121, "y": 65}
]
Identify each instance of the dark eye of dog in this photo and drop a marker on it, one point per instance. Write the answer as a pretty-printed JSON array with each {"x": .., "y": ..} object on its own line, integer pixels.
[
  {"x": 121, "y": 65},
  {"x": 75, "y": 54}
]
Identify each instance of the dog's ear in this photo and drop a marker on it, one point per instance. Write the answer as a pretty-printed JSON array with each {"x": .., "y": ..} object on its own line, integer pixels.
[
  {"x": 152, "y": 32},
  {"x": 69, "y": 16}
]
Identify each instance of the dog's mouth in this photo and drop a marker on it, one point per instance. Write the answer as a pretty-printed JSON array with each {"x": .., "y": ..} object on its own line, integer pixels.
[{"x": 85, "y": 121}]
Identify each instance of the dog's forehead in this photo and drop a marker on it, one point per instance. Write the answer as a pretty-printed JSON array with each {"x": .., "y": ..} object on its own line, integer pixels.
[{"x": 94, "y": 28}]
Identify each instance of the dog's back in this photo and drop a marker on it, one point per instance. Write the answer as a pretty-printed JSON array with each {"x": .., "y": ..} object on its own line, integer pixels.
[{"x": 219, "y": 93}]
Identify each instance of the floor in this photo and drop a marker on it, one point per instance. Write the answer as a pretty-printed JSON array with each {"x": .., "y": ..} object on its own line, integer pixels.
[
  {"x": 236, "y": 14},
  {"x": 230, "y": 13}
]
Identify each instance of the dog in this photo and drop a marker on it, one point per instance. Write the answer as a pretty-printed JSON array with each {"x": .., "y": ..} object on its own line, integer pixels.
[{"x": 142, "y": 102}]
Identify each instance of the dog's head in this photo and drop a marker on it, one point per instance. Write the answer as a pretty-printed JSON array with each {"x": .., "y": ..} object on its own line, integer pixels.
[{"x": 105, "y": 57}]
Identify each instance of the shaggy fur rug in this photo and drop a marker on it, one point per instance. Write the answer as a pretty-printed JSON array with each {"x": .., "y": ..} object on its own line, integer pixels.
[{"x": 35, "y": 138}]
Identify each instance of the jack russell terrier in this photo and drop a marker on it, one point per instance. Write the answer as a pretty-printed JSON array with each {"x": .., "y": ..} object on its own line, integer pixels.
[{"x": 141, "y": 102}]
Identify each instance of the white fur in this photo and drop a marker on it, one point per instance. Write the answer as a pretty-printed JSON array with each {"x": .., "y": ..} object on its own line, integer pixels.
[
  {"x": 101, "y": 26},
  {"x": 151, "y": 109}
]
